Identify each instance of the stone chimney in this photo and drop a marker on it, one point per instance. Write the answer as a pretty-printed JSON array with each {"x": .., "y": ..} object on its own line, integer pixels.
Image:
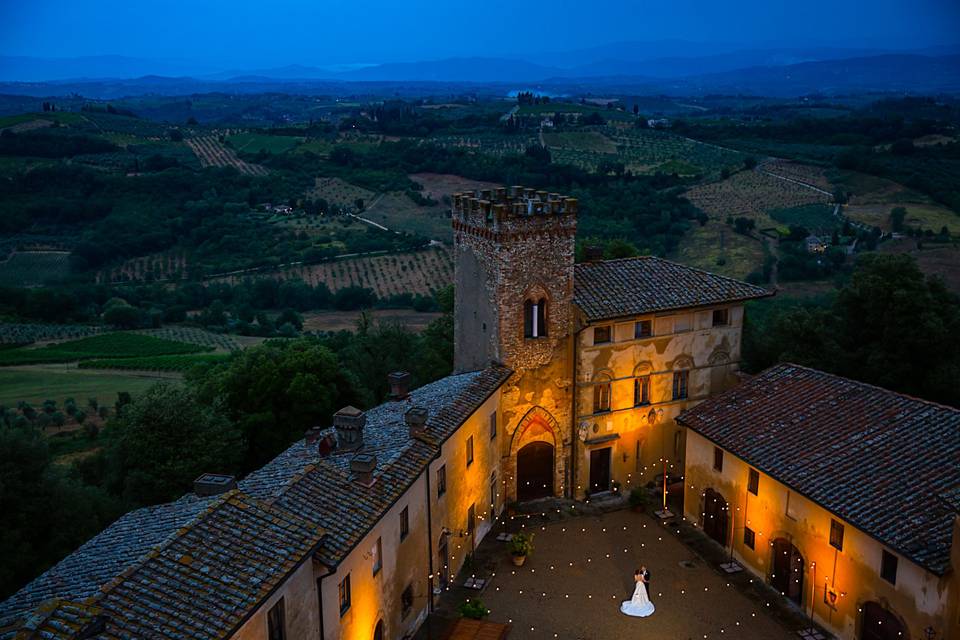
[
  {"x": 212, "y": 484},
  {"x": 399, "y": 385},
  {"x": 416, "y": 419},
  {"x": 349, "y": 423},
  {"x": 593, "y": 253},
  {"x": 362, "y": 466}
]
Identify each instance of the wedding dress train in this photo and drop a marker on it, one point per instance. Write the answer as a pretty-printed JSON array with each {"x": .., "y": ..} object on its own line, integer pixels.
[{"x": 640, "y": 605}]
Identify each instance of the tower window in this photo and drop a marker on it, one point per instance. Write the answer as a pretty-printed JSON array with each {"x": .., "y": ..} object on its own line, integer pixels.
[{"x": 535, "y": 318}]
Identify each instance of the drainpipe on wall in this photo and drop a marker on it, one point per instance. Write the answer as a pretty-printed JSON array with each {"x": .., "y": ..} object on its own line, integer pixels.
[
  {"x": 429, "y": 548},
  {"x": 573, "y": 417}
]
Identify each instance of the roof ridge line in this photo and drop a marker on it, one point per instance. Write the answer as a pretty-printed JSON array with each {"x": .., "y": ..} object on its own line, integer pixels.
[{"x": 861, "y": 383}]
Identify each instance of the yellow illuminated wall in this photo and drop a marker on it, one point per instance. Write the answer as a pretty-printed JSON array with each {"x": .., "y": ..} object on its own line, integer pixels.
[
  {"x": 681, "y": 341},
  {"x": 837, "y": 584}
]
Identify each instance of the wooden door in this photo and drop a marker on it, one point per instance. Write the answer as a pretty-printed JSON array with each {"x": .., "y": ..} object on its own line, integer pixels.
[
  {"x": 535, "y": 471},
  {"x": 600, "y": 470},
  {"x": 715, "y": 517},
  {"x": 788, "y": 566},
  {"x": 881, "y": 624}
]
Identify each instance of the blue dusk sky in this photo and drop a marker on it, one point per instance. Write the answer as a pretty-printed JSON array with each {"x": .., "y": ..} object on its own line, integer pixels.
[{"x": 328, "y": 32}]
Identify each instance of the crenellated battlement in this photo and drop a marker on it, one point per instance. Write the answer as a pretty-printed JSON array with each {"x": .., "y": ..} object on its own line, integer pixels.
[{"x": 492, "y": 208}]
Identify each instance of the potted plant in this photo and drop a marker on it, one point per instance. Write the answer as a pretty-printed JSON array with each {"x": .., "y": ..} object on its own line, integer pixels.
[
  {"x": 520, "y": 546},
  {"x": 473, "y": 609},
  {"x": 639, "y": 499}
]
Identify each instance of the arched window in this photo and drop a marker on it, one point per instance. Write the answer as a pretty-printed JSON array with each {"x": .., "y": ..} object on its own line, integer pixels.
[
  {"x": 601, "y": 394},
  {"x": 535, "y": 318}
]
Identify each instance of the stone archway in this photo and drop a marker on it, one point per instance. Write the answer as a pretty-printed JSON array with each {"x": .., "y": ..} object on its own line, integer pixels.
[
  {"x": 787, "y": 568},
  {"x": 533, "y": 455},
  {"x": 880, "y": 623},
  {"x": 535, "y": 471}
]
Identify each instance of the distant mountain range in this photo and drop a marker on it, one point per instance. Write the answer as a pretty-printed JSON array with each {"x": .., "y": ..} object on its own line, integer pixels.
[{"x": 692, "y": 70}]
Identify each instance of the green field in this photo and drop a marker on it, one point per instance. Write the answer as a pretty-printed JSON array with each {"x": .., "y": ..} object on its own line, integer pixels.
[
  {"x": 37, "y": 385},
  {"x": 812, "y": 217},
  {"x": 255, "y": 142},
  {"x": 177, "y": 363},
  {"x": 110, "y": 345}
]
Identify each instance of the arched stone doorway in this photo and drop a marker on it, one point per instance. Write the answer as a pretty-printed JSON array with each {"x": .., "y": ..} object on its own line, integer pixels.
[
  {"x": 533, "y": 455},
  {"x": 879, "y": 623},
  {"x": 378, "y": 631},
  {"x": 715, "y": 516},
  {"x": 535, "y": 471},
  {"x": 787, "y": 570}
]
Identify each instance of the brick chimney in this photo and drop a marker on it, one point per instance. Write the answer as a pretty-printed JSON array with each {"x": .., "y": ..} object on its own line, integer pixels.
[
  {"x": 212, "y": 484},
  {"x": 326, "y": 445},
  {"x": 312, "y": 435},
  {"x": 362, "y": 466},
  {"x": 399, "y": 385},
  {"x": 416, "y": 419},
  {"x": 349, "y": 423},
  {"x": 593, "y": 253}
]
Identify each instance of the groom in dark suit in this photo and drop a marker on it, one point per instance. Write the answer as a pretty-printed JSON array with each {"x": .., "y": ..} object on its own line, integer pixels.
[{"x": 646, "y": 578}]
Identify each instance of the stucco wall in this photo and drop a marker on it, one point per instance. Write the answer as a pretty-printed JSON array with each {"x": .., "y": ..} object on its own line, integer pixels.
[
  {"x": 377, "y": 597},
  {"x": 300, "y": 605},
  {"x": 684, "y": 340},
  {"x": 919, "y": 598},
  {"x": 466, "y": 485}
]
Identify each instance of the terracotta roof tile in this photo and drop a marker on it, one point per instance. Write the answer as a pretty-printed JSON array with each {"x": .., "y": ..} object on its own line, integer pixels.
[
  {"x": 196, "y": 567},
  {"x": 632, "y": 286},
  {"x": 323, "y": 489},
  {"x": 887, "y": 463}
]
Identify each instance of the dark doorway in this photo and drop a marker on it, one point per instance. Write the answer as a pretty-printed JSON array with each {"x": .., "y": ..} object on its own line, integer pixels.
[
  {"x": 535, "y": 471},
  {"x": 444, "y": 553},
  {"x": 600, "y": 470},
  {"x": 715, "y": 514},
  {"x": 378, "y": 631},
  {"x": 787, "y": 576},
  {"x": 881, "y": 624}
]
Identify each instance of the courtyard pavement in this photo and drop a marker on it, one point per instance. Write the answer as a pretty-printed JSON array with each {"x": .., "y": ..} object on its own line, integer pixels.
[{"x": 582, "y": 568}]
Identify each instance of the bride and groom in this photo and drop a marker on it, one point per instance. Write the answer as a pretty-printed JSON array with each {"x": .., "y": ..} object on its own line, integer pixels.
[{"x": 639, "y": 605}]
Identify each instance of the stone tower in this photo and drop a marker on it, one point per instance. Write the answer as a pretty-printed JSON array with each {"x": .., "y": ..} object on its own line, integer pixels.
[{"x": 514, "y": 305}]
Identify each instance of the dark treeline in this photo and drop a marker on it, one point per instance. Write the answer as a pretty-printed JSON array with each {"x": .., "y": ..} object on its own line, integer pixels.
[
  {"x": 41, "y": 144},
  {"x": 233, "y": 307},
  {"x": 229, "y": 418},
  {"x": 890, "y": 325}
]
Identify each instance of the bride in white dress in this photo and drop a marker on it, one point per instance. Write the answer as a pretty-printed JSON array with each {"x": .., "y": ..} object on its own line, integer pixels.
[{"x": 639, "y": 605}]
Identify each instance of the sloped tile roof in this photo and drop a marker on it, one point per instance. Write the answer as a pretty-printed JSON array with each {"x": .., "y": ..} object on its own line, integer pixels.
[
  {"x": 887, "y": 463},
  {"x": 206, "y": 580},
  {"x": 631, "y": 286},
  {"x": 196, "y": 567},
  {"x": 106, "y": 555},
  {"x": 59, "y": 619},
  {"x": 324, "y": 491}
]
